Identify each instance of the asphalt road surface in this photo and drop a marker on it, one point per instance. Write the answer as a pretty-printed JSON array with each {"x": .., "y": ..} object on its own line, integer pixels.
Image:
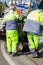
[
  {"x": 22, "y": 59},
  {"x": 2, "y": 59}
]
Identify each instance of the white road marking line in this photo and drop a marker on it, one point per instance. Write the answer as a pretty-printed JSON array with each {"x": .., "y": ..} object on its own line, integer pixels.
[{"x": 6, "y": 56}]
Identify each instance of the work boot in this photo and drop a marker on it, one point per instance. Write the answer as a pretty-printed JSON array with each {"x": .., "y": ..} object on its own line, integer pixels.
[
  {"x": 35, "y": 54},
  {"x": 14, "y": 54},
  {"x": 9, "y": 52},
  {"x": 38, "y": 52}
]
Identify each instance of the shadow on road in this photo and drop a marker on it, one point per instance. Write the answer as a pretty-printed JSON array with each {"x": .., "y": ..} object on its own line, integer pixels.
[
  {"x": 41, "y": 50},
  {"x": 2, "y": 37},
  {"x": 25, "y": 50}
]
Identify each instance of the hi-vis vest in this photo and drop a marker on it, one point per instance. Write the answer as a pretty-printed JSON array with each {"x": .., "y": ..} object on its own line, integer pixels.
[
  {"x": 10, "y": 20},
  {"x": 33, "y": 22},
  {"x": 34, "y": 15}
]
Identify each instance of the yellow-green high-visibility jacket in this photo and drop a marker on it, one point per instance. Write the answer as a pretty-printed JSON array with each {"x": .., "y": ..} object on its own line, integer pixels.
[
  {"x": 33, "y": 22},
  {"x": 10, "y": 20},
  {"x": 36, "y": 15},
  {"x": 41, "y": 17}
]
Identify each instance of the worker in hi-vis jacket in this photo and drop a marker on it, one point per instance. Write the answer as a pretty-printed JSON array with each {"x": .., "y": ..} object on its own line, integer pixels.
[
  {"x": 12, "y": 35},
  {"x": 32, "y": 26}
]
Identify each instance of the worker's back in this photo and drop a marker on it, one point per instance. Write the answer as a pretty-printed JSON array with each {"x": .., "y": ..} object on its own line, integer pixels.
[
  {"x": 34, "y": 15},
  {"x": 33, "y": 22},
  {"x": 10, "y": 20}
]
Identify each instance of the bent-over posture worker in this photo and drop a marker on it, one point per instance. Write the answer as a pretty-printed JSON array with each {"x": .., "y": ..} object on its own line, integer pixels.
[{"x": 32, "y": 27}]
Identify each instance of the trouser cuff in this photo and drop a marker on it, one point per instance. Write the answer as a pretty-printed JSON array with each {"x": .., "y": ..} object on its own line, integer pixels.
[{"x": 32, "y": 50}]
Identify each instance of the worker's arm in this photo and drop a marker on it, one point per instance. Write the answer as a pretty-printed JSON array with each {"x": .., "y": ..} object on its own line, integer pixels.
[
  {"x": 20, "y": 18},
  {"x": 41, "y": 18}
]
